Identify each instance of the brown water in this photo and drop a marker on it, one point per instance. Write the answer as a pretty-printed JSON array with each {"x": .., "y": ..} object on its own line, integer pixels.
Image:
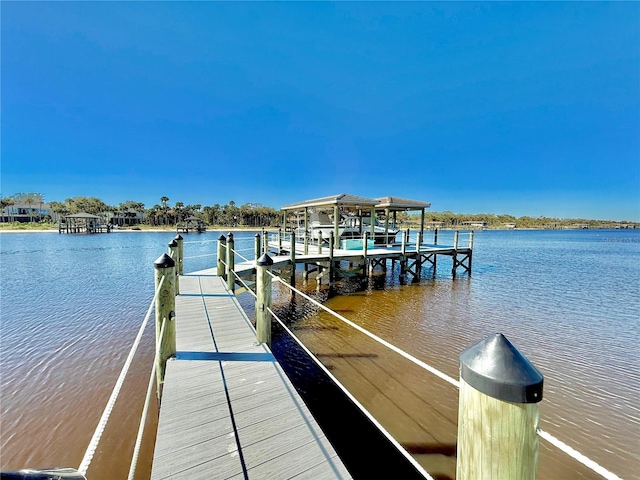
[{"x": 569, "y": 303}]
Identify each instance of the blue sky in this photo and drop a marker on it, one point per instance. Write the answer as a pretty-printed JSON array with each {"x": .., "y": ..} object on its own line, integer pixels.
[{"x": 520, "y": 108}]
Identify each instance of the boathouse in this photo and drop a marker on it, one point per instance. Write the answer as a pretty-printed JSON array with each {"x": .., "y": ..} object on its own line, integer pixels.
[
  {"x": 353, "y": 211},
  {"x": 83, "y": 223}
]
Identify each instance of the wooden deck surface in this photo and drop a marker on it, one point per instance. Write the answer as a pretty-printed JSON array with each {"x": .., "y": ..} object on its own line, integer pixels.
[{"x": 228, "y": 410}]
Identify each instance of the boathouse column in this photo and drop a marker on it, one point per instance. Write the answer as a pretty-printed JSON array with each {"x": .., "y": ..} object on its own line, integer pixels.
[
  {"x": 263, "y": 299},
  {"x": 386, "y": 226},
  {"x": 292, "y": 259},
  {"x": 165, "y": 309},
  {"x": 231, "y": 281},
  {"x": 372, "y": 227},
  {"x": 498, "y": 412},
  {"x": 336, "y": 231},
  {"x": 222, "y": 254}
]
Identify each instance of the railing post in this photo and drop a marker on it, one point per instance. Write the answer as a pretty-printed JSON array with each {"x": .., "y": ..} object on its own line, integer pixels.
[
  {"x": 292, "y": 257},
  {"x": 263, "y": 299},
  {"x": 331, "y": 266},
  {"x": 222, "y": 254},
  {"x": 498, "y": 412},
  {"x": 435, "y": 236},
  {"x": 175, "y": 255},
  {"x": 180, "y": 262},
  {"x": 165, "y": 308},
  {"x": 319, "y": 242},
  {"x": 471, "y": 239},
  {"x": 231, "y": 280},
  {"x": 455, "y": 240},
  {"x": 279, "y": 241},
  {"x": 257, "y": 246},
  {"x": 306, "y": 242}
]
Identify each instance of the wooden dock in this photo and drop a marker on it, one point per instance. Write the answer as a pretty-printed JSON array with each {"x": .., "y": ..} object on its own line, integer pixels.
[{"x": 228, "y": 410}]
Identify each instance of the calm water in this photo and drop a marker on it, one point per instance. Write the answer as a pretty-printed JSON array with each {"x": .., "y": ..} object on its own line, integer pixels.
[{"x": 569, "y": 300}]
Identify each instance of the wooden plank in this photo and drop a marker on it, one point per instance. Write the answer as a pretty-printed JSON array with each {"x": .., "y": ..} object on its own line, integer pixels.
[{"x": 228, "y": 409}]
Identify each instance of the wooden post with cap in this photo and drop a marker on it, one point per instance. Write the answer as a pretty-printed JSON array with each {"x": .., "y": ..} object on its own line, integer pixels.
[
  {"x": 165, "y": 309},
  {"x": 231, "y": 281},
  {"x": 175, "y": 255},
  {"x": 498, "y": 412},
  {"x": 263, "y": 299},
  {"x": 222, "y": 254},
  {"x": 180, "y": 263}
]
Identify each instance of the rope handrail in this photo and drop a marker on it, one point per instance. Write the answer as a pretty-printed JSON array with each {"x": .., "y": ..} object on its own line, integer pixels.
[
  {"x": 145, "y": 409},
  {"x": 200, "y": 241},
  {"x": 199, "y": 256},
  {"x": 584, "y": 460},
  {"x": 355, "y": 401},
  {"x": 404, "y": 354},
  {"x": 95, "y": 439}
]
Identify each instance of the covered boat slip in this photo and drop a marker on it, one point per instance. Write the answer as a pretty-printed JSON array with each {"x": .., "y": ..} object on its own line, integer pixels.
[
  {"x": 228, "y": 410},
  {"x": 350, "y": 216}
]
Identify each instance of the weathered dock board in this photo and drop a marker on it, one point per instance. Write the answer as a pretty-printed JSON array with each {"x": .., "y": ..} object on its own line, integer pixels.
[{"x": 228, "y": 410}]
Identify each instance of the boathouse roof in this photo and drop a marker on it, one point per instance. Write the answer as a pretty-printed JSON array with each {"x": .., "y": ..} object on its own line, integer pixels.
[
  {"x": 83, "y": 215},
  {"x": 347, "y": 200},
  {"x": 397, "y": 203},
  {"x": 343, "y": 199}
]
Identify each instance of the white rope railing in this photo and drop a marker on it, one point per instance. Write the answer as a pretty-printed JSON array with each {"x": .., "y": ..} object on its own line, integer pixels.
[
  {"x": 573, "y": 453},
  {"x": 145, "y": 409},
  {"x": 587, "y": 462},
  {"x": 355, "y": 401},
  {"x": 93, "y": 444},
  {"x": 199, "y": 256},
  {"x": 402, "y": 353}
]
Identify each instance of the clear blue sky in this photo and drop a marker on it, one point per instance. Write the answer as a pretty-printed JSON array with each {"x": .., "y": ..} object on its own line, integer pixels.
[{"x": 520, "y": 108}]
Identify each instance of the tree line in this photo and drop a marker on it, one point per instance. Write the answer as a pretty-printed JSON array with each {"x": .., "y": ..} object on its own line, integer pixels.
[
  {"x": 257, "y": 215},
  {"x": 232, "y": 215}
]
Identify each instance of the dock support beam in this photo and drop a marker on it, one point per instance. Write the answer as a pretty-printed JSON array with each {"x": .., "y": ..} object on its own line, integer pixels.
[
  {"x": 231, "y": 281},
  {"x": 165, "y": 309},
  {"x": 263, "y": 299},
  {"x": 499, "y": 412}
]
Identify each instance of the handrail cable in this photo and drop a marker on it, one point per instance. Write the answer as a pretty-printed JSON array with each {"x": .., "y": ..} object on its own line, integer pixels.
[
  {"x": 91, "y": 449},
  {"x": 573, "y": 453},
  {"x": 371, "y": 418},
  {"x": 198, "y": 256},
  {"x": 587, "y": 462},
  {"x": 145, "y": 409},
  {"x": 404, "y": 354},
  {"x": 200, "y": 241},
  {"x": 245, "y": 285}
]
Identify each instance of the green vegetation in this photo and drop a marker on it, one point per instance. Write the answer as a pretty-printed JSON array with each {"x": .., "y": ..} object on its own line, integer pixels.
[{"x": 132, "y": 214}]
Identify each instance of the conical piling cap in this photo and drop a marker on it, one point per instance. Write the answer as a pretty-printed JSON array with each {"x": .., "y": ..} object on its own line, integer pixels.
[
  {"x": 164, "y": 261},
  {"x": 264, "y": 260},
  {"x": 496, "y": 368}
]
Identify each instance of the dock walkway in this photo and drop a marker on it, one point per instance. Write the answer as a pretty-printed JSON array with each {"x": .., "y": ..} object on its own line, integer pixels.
[{"x": 228, "y": 410}]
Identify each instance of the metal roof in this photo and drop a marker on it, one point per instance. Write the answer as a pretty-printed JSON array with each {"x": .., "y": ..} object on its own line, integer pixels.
[
  {"x": 344, "y": 199},
  {"x": 82, "y": 215},
  {"x": 397, "y": 203}
]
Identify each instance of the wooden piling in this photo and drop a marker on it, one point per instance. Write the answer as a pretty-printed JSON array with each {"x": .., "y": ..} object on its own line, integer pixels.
[
  {"x": 279, "y": 241},
  {"x": 175, "y": 255},
  {"x": 319, "y": 242},
  {"x": 222, "y": 254},
  {"x": 165, "y": 308},
  {"x": 231, "y": 280},
  {"x": 292, "y": 256},
  {"x": 257, "y": 246},
  {"x": 498, "y": 412},
  {"x": 180, "y": 263},
  {"x": 263, "y": 299}
]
